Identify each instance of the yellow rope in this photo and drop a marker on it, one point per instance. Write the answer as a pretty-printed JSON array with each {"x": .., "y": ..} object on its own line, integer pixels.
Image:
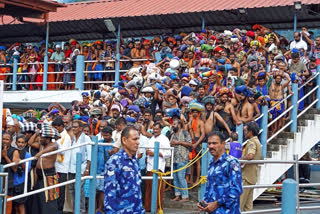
[{"x": 203, "y": 179}]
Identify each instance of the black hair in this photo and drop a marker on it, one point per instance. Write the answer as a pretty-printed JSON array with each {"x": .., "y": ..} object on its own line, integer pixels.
[
  {"x": 295, "y": 55},
  {"x": 157, "y": 119},
  {"x": 7, "y": 133},
  {"x": 159, "y": 111},
  {"x": 312, "y": 59},
  {"x": 147, "y": 110},
  {"x": 157, "y": 124},
  {"x": 234, "y": 136},
  {"x": 120, "y": 121},
  {"x": 58, "y": 122},
  {"x": 179, "y": 121},
  {"x": 21, "y": 136},
  {"x": 107, "y": 130},
  {"x": 253, "y": 127},
  {"x": 125, "y": 132},
  {"x": 217, "y": 133}
]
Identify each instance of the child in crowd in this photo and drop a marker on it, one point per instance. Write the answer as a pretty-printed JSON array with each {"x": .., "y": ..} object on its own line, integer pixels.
[
  {"x": 19, "y": 174},
  {"x": 234, "y": 148},
  {"x": 67, "y": 75}
]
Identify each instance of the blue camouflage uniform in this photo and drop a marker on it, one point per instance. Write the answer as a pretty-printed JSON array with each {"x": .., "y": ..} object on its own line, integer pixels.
[
  {"x": 224, "y": 184},
  {"x": 122, "y": 180}
]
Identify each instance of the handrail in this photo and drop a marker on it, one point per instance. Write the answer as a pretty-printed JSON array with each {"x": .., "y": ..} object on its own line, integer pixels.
[
  {"x": 280, "y": 116},
  {"x": 47, "y": 154},
  {"x": 312, "y": 78},
  {"x": 310, "y": 92},
  {"x": 306, "y": 109},
  {"x": 87, "y": 61},
  {"x": 273, "y": 107}
]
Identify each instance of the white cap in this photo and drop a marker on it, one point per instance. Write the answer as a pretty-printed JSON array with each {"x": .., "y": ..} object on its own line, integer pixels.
[{"x": 58, "y": 46}]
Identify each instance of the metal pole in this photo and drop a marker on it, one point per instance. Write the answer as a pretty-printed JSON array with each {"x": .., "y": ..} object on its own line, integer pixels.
[
  {"x": 296, "y": 175},
  {"x": 45, "y": 65},
  {"x": 93, "y": 172},
  {"x": 117, "y": 76},
  {"x": 295, "y": 22},
  {"x": 264, "y": 125},
  {"x": 288, "y": 205},
  {"x": 318, "y": 90},
  {"x": 80, "y": 72},
  {"x": 204, "y": 169},
  {"x": 14, "y": 75},
  {"x": 239, "y": 130},
  {"x": 294, "y": 111},
  {"x": 155, "y": 178},
  {"x": 203, "y": 22},
  {"x": 78, "y": 184}
]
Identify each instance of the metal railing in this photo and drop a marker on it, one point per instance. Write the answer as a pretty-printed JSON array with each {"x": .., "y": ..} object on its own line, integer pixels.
[{"x": 296, "y": 197}]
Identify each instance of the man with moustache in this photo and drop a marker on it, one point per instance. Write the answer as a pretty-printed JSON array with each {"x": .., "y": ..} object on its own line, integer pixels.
[
  {"x": 224, "y": 185},
  {"x": 46, "y": 202}
]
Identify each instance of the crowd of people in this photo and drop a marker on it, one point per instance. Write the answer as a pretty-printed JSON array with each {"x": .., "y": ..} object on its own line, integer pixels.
[{"x": 188, "y": 87}]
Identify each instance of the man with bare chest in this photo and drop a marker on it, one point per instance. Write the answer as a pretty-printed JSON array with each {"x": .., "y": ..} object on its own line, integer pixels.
[
  {"x": 210, "y": 118},
  {"x": 276, "y": 92},
  {"x": 197, "y": 133},
  {"x": 245, "y": 108},
  {"x": 46, "y": 202}
]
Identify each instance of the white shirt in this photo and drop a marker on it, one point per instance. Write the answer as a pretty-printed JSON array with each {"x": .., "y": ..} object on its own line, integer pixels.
[
  {"x": 84, "y": 150},
  {"x": 299, "y": 45},
  {"x": 99, "y": 136},
  {"x": 166, "y": 153},
  {"x": 63, "y": 167},
  {"x": 116, "y": 136}
]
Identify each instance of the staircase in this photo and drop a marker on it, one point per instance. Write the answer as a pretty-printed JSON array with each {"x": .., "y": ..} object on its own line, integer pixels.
[{"x": 286, "y": 145}]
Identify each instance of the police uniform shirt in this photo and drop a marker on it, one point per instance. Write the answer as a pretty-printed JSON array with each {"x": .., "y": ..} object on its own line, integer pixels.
[
  {"x": 122, "y": 180},
  {"x": 224, "y": 184}
]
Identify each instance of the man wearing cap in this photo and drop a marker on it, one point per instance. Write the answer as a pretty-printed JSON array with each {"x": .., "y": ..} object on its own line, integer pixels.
[
  {"x": 58, "y": 57},
  {"x": 46, "y": 202}
]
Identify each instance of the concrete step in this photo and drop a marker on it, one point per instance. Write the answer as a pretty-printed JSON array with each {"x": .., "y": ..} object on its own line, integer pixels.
[
  {"x": 286, "y": 135},
  {"x": 190, "y": 205},
  {"x": 269, "y": 154},
  {"x": 301, "y": 122},
  {"x": 313, "y": 111},
  {"x": 279, "y": 141},
  {"x": 307, "y": 116},
  {"x": 272, "y": 147}
]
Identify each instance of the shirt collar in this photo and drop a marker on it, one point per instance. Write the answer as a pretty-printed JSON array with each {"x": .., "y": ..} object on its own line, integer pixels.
[
  {"x": 125, "y": 155},
  {"x": 220, "y": 159}
]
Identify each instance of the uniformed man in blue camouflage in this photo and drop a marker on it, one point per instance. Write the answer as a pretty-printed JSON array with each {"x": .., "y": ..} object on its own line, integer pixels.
[
  {"x": 122, "y": 178},
  {"x": 224, "y": 185}
]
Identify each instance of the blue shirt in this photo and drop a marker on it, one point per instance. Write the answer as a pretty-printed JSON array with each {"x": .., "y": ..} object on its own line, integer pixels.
[
  {"x": 122, "y": 180},
  {"x": 103, "y": 156},
  {"x": 20, "y": 179},
  {"x": 224, "y": 184}
]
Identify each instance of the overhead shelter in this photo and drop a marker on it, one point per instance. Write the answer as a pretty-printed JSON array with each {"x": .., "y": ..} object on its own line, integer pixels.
[{"x": 85, "y": 20}]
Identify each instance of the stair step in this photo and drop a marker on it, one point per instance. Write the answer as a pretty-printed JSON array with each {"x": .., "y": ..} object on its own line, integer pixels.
[
  {"x": 279, "y": 141},
  {"x": 313, "y": 111},
  {"x": 189, "y": 205},
  {"x": 306, "y": 116},
  {"x": 286, "y": 135},
  {"x": 272, "y": 147},
  {"x": 301, "y": 123},
  {"x": 269, "y": 154}
]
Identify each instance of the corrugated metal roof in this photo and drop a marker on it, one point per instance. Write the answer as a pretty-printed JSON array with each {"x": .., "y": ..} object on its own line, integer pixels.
[
  {"x": 129, "y": 8},
  {"x": 85, "y": 21}
]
